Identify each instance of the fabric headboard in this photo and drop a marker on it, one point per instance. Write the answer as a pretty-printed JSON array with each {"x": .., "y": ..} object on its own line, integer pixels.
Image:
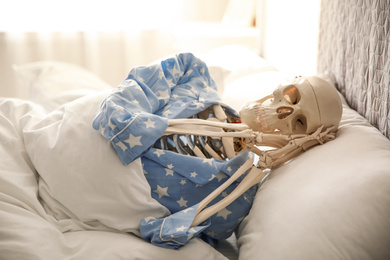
[{"x": 354, "y": 48}]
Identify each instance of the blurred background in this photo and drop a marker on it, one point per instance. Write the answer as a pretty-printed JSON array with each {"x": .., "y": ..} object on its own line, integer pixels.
[{"x": 110, "y": 37}]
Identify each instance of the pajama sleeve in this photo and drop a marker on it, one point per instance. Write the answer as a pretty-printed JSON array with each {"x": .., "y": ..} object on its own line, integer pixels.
[{"x": 136, "y": 113}]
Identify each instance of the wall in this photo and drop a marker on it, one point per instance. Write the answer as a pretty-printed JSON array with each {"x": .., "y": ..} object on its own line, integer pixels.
[{"x": 289, "y": 32}]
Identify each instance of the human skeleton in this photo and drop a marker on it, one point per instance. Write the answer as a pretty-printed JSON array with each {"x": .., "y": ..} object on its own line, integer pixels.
[{"x": 296, "y": 117}]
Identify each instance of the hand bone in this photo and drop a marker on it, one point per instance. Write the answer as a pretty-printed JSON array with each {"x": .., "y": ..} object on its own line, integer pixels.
[{"x": 294, "y": 145}]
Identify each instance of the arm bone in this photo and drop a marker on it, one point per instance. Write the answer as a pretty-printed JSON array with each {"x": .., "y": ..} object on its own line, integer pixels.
[{"x": 254, "y": 176}]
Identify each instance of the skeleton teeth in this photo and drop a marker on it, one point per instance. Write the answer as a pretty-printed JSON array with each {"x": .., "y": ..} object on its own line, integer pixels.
[
  {"x": 254, "y": 114},
  {"x": 261, "y": 119},
  {"x": 258, "y": 115}
]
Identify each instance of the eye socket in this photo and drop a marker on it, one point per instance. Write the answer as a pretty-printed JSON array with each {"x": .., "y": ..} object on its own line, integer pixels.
[
  {"x": 291, "y": 95},
  {"x": 300, "y": 125}
]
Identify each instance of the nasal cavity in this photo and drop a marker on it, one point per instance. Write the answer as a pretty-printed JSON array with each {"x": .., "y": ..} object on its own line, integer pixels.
[{"x": 284, "y": 112}]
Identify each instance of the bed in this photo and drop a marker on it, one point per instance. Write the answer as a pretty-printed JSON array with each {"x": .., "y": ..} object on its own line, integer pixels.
[{"x": 331, "y": 202}]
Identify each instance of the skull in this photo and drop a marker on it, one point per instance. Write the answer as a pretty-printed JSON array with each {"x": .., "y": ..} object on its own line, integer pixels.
[{"x": 299, "y": 107}]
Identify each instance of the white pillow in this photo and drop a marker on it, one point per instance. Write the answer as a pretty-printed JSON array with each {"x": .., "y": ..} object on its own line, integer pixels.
[
  {"x": 250, "y": 88},
  {"x": 81, "y": 175},
  {"x": 230, "y": 62},
  {"x": 331, "y": 202},
  {"x": 53, "y": 83}
]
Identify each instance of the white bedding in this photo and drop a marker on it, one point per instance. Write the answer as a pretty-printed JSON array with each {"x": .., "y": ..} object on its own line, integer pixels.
[
  {"x": 331, "y": 202},
  {"x": 62, "y": 202}
]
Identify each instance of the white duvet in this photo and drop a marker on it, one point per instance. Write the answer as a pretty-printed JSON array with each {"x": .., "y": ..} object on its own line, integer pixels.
[{"x": 64, "y": 192}]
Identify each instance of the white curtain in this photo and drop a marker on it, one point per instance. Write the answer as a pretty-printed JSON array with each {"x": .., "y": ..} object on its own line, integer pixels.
[
  {"x": 106, "y": 37},
  {"x": 109, "y": 55}
]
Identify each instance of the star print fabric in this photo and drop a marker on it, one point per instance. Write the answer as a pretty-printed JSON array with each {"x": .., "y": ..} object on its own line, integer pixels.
[
  {"x": 136, "y": 115},
  {"x": 173, "y": 231},
  {"x": 179, "y": 182}
]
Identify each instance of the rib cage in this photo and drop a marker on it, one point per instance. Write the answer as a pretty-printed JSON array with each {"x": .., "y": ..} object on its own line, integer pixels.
[{"x": 199, "y": 146}]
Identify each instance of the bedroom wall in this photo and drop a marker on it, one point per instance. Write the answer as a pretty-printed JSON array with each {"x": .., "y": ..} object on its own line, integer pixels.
[{"x": 289, "y": 34}]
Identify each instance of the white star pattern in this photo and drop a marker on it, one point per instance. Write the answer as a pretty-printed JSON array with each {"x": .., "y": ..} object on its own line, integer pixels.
[
  {"x": 209, "y": 161},
  {"x": 121, "y": 145},
  {"x": 134, "y": 141},
  {"x": 159, "y": 152},
  {"x": 180, "y": 229},
  {"x": 224, "y": 213},
  {"x": 170, "y": 82},
  {"x": 220, "y": 176},
  {"x": 161, "y": 191},
  {"x": 208, "y": 89},
  {"x": 179, "y": 99},
  {"x": 164, "y": 94},
  {"x": 149, "y": 123},
  {"x": 167, "y": 113},
  {"x": 189, "y": 72},
  {"x": 182, "y": 202},
  {"x": 167, "y": 107},
  {"x": 111, "y": 125},
  {"x": 199, "y": 105},
  {"x": 137, "y": 87},
  {"x": 168, "y": 172},
  {"x": 150, "y": 220},
  {"x": 101, "y": 129},
  {"x": 174, "y": 71},
  {"x": 192, "y": 92}
]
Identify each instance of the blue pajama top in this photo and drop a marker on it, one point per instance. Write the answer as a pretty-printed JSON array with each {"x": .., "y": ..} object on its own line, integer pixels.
[{"x": 135, "y": 115}]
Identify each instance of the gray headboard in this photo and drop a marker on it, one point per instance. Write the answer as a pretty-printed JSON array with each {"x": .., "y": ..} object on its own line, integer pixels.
[{"x": 354, "y": 48}]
